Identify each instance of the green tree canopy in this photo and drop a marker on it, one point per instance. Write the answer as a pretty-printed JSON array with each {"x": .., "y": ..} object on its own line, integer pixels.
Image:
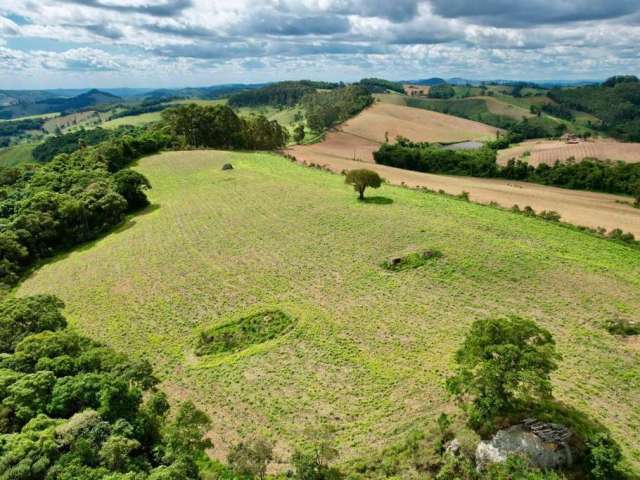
[
  {"x": 361, "y": 179},
  {"x": 502, "y": 362}
]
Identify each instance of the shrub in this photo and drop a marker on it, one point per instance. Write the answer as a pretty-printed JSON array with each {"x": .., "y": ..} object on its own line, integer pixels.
[
  {"x": 603, "y": 457},
  {"x": 239, "y": 334},
  {"x": 550, "y": 215},
  {"x": 412, "y": 260},
  {"x": 623, "y": 327}
]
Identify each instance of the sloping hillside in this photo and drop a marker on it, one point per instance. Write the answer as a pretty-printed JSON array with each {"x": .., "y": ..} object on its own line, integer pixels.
[
  {"x": 362, "y": 135},
  {"x": 370, "y": 349},
  {"x": 59, "y": 104}
]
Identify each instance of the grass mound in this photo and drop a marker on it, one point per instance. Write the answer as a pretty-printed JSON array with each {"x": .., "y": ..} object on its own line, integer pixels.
[
  {"x": 412, "y": 260},
  {"x": 243, "y": 332},
  {"x": 623, "y": 327}
]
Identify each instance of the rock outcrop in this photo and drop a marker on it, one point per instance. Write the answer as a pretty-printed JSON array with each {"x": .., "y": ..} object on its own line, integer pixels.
[{"x": 545, "y": 444}]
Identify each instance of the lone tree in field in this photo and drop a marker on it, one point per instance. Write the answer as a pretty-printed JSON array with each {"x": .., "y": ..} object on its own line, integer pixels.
[
  {"x": 361, "y": 179},
  {"x": 503, "y": 363}
]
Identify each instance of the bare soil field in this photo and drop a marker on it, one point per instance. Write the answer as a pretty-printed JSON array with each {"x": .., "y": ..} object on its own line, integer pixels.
[
  {"x": 577, "y": 207},
  {"x": 548, "y": 151},
  {"x": 385, "y": 119}
]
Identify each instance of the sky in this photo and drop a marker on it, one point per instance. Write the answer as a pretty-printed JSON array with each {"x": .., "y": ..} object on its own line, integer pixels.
[{"x": 174, "y": 43}]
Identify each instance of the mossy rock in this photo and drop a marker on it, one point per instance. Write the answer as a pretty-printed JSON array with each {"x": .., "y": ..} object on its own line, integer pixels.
[
  {"x": 412, "y": 260},
  {"x": 243, "y": 332}
]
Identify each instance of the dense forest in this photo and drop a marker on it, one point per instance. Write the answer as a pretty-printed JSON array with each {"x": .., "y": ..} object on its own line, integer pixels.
[
  {"x": 218, "y": 126},
  {"x": 379, "y": 85},
  {"x": 442, "y": 90},
  {"x": 281, "y": 94},
  {"x": 69, "y": 143},
  {"x": 328, "y": 108},
  {"x": 616, "y": 103},
  {"x": 71, "y": 408},
  {"x": 588, "y": 174}
]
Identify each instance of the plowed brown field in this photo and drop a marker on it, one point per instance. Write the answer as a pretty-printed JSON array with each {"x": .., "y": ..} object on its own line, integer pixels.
[
  {"x": 548, "y": 151},
  {"x": 357, "y": 139}
]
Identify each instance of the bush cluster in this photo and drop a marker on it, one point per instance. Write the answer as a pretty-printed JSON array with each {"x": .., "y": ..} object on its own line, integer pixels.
[
  {"x": 71, "y": 408},
  {"x": 218, "y": 126},
  {"x": 325, "y": 109}
]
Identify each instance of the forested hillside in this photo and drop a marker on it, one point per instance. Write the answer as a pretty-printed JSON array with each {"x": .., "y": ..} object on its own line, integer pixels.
[
  {"x": 281, "y": 94},
  {"x": 616, "y": 102},
  {"x": 326, "y": 109}
]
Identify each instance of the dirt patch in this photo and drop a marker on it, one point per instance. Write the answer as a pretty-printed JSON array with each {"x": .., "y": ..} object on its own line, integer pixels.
[{"x": 548, "y": 151}]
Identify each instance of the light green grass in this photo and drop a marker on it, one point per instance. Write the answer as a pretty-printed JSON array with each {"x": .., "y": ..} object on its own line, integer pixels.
[
  {"x": 371, "y": 348},
  {"x": 31, "y": 117},
  {"x": 134, "y": 120},
  {"x": 16, "y": 155}
]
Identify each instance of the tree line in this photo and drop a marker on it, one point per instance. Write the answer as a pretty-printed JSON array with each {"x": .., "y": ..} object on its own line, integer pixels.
[
  {"x": 218, "y": 126},
  {"x": 616, "y": 103},
  {"x": 280, "y": 94},
  {"x": 69, "y": 143},
  {"x": 588, "y": 174},
  {"x": 328, "y": 108},
  {"x": 379, "y": 85}
]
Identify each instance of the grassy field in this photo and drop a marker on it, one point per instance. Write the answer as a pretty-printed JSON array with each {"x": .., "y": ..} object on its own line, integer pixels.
[
  {"x": 370, "y": 348},
  {"x": 135, "y": 120},
  {"x": 16, "y": 155}
]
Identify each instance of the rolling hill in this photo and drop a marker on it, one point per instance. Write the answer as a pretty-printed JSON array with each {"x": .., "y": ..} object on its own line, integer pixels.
[
  {"x": 370, "y": 349},
  {"x": 58, "y": 104}
]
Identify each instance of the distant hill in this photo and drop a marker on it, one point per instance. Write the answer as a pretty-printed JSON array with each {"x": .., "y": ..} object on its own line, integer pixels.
[
  {"x": 57, "y": 104},
  {"x": 209, "y": 93},
  {"x": 429, "y": 81}
]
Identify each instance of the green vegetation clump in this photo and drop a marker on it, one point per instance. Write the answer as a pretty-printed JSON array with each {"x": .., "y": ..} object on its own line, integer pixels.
[
  {"x": 616, "y": 103},
  {"x": 379, "y": 85},
  {"x": 503, "y": 364},
  {"x": 218, "y": 126},
  {"x": 240, "y": 334},
  {"x": 73, "y": 408},
  {"x": 361, "y": 179},
  {"x": 443, "y": 90},
  {"x": 281, "y": 94},
  {"x": 587, "y": 174},
  {"x": 68, "y": 143},
  {"x": 424, "y": 157},
  {"x": 623, "y": 327},
  {"x": 18, "y": 128},
  {"x": 326, "y": 109},
  {"x": 69, "y": 200},
  {"x": 410, "y": 261}
]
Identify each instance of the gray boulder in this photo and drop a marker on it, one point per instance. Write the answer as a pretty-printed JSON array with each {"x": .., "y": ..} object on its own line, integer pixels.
[{"x": 544, "y": 444}]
